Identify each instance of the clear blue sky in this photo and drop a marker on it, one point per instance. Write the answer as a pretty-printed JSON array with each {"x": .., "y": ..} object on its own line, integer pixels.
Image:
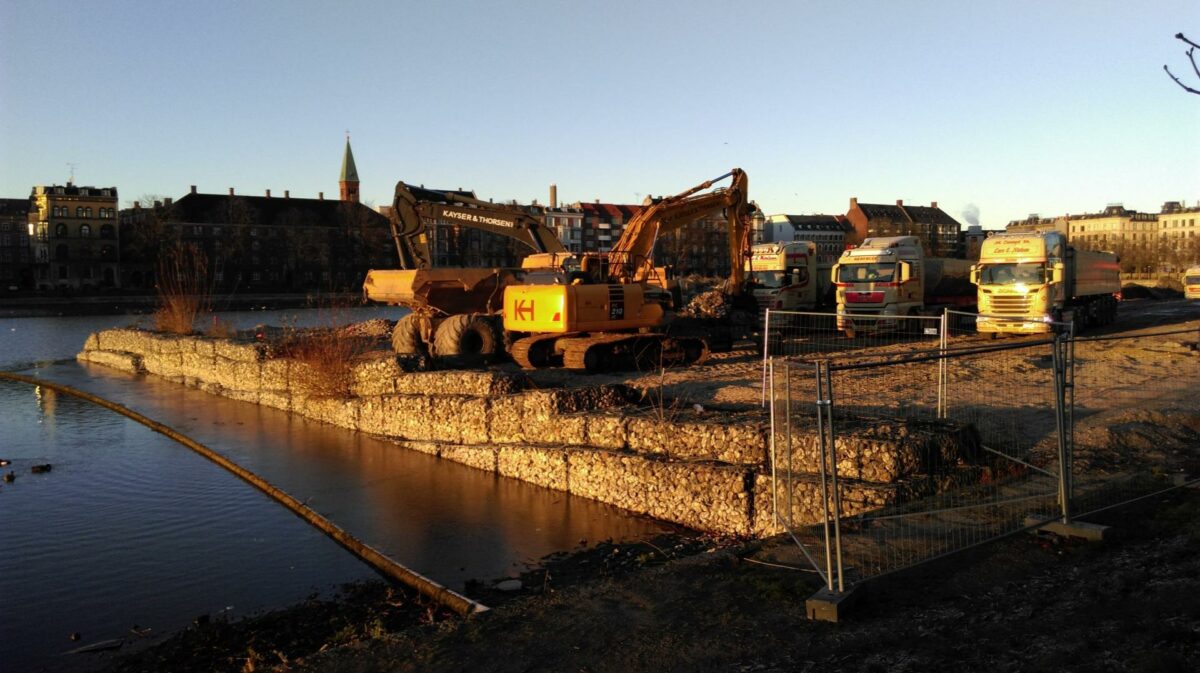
[{"x": 1017, "y": 107}]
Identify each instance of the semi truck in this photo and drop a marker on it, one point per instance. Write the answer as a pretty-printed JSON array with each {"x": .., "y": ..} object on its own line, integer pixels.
[
  {"x": 1191, "y": 282},
  {"x": 886, "y": 278},
  {"x": 787, "y": 276},
  {"x": 1027, "y": 281}
]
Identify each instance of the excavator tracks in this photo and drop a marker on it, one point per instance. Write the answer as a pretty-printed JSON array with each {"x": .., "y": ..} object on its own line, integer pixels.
[
  {"x": 631, "y": 352},
  {"x": 536, "y": 352}
]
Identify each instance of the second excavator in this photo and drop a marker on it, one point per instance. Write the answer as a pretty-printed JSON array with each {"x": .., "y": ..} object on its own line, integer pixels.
[{"x": 611, "y": 311}]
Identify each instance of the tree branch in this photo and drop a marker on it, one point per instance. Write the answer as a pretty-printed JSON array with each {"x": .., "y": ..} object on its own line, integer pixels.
[{"x": 1191, "y": 54}]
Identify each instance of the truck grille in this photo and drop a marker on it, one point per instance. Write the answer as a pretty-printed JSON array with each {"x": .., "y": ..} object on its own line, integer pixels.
[{"x": 1016, "y": 304}]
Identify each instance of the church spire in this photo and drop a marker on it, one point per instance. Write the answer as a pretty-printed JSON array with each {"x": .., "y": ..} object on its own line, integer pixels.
[{"x": 348, "y": 182}]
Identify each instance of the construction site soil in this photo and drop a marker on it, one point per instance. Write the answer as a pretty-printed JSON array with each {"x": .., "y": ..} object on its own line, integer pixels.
[{"x": 697, "y": 602}]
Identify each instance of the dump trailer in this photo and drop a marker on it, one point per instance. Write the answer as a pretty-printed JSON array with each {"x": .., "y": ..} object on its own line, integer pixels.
[
  {"x": 1191, "y": 283},
  {"x": 1027, "y": 281},
  {"x": 786, "y": 276},
  {"x": 455, "y": 311},
  {"x": 887, "y": 277}
]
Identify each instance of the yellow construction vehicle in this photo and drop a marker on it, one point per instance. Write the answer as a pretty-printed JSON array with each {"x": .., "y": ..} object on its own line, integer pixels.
[
  {"x": 457, "y": 254},
  {"x": 610, "y": 311}
]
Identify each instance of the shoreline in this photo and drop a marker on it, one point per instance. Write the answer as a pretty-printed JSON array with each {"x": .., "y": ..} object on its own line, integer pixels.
[{"x": 52, "y": 306}]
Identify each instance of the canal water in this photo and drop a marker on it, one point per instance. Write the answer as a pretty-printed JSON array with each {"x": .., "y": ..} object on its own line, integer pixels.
[{"x": 130, "y": 530}]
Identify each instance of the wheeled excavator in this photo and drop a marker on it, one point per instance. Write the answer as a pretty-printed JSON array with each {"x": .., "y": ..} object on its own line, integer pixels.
[
  {"x": 610, "y": 311},
  {"x": 455, "y": 309}
]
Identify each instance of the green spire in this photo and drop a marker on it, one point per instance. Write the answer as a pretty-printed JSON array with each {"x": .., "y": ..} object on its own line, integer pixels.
[{"x": 349, "y": 171}]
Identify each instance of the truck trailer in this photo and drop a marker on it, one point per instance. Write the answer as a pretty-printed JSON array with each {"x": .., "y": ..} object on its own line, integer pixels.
[
  {"x": 1027, "y": 281},
  {"x": 889, "y": 277}
]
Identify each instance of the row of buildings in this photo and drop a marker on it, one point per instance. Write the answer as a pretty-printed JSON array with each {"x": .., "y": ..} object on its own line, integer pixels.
[{"x": 77, "y": 238}]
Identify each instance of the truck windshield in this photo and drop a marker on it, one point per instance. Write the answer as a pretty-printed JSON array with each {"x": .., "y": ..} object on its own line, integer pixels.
[
  {"x": 866, "y": 273},
  {"x": 1011, "y": 274},
  {"x": 1191, "y": 280},
  {"x": 768, "y": 278}
]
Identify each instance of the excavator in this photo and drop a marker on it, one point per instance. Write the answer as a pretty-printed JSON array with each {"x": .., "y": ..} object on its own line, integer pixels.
[
  {"x": 455, "y": 309},
  {"x": 610, "y": 311}
]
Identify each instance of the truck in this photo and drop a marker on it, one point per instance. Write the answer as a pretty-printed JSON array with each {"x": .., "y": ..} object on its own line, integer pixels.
[
  {"x": 787, "y": 276},
  {"x": 1028, "y": 281},
  {"x": 455, "y": 310},
  {"x": 1191, "y": 282},
  {"x": 888, "y": 277}
]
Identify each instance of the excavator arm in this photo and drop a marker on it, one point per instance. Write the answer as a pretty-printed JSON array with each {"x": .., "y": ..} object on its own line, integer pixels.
[
  {"x": 415, "y": 210},
  {"x": 631, "y": 258}
]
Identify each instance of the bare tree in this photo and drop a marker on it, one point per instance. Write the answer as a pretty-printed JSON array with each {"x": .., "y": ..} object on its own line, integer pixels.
[{"x": 1191, "y": 54}]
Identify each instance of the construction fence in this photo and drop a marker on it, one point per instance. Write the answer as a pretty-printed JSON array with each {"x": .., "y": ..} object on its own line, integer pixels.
[{"x": 892, "y": 449}]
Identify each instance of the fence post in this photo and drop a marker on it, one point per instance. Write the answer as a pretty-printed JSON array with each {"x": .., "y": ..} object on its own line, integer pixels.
[
  {"x": 943, "y": 378},
  {"x": 774, "y": 459},
  {"x": 837, "y": 492},
  {"x": 766, "y": 352},
  {"x": 821, "y": 442},
  {"x": 1060, "y": 417}
]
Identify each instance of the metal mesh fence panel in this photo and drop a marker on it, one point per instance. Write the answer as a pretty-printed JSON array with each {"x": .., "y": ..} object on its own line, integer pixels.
[
  {"x": 932, "y": 454},
  {"x": 801, "y": 335},
  {"x": 1137, "y": 417}
]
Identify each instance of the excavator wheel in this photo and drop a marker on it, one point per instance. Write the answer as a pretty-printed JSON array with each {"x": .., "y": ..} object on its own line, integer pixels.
[
  {"x": 468, "y": 335},
  {"x": 406, "y": 336}
]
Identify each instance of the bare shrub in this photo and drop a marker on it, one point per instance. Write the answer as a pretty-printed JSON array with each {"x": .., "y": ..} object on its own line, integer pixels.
[
  {"x": 329, "y": 352},
  {"x": 184, "y": 291}
]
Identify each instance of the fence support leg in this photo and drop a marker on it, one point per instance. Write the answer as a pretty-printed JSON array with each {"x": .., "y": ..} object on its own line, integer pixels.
[
  {"x": 1064, "y": 402},
  {"x": 833, "y": 599}
]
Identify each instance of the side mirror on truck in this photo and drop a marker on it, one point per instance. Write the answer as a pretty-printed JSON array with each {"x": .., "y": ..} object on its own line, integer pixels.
[
  {"x": 974, "y": 274},
  {"x": 1058, "y": 272},
  {"x": 905, "y": 272}
]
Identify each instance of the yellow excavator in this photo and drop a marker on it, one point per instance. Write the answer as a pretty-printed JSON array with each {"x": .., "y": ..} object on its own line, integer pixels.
[
  {"x": 610, "y": 311},
  {"x": 452, "y": 276}
]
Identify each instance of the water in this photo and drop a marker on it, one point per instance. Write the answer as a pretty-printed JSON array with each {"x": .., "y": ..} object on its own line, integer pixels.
[{"x": 130, "y": 528}]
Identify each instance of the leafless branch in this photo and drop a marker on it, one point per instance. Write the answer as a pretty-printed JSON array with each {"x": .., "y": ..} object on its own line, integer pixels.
[{"x": 1191, "y": 54}]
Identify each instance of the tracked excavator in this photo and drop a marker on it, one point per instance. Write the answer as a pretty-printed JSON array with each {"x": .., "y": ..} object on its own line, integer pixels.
[
  {"x": 611, "y": 311},
  {"x": 455, "y": 309}
]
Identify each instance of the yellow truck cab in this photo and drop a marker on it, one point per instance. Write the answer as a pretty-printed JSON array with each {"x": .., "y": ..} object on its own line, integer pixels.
[
  {"x": 1191, "y": 282},
  {"x": 1027, "y": 281},
  {"x": 786, "y": 276}
]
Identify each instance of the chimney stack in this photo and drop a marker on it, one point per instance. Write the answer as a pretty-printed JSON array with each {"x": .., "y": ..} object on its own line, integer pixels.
[
  {"x": 193, "y": 189},
  {"x": 168, "y": 201},
  {"x": 320, "y": 196},
  {"x": 899, "y": 202},
  {"x": 853, "y": 202},
  {"x": 231, "y": 191},
  {"x": 137, "y": 205},
  {"x": 287, "y": 194},
  {"x": 933, "y": 205},
  {"x": 553, "y": 195},
  {"x": 268, "y": 193}
]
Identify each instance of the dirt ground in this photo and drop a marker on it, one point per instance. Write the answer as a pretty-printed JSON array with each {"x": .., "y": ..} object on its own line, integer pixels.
[{"x": 690, "y": 602}]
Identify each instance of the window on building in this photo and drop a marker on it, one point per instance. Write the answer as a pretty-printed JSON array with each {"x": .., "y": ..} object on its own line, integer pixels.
[
  {"x": 60, "y": 230},
  {"x": 62, "y": 273},
  {"x": 85, "y": 231},
  {"x": 106, "y": 231}
]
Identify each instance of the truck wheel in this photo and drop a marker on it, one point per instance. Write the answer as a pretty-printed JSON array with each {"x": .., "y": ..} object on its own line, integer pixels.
[
  {"x": 406, "y": 336},
  {"x": 470, "y": 335}
]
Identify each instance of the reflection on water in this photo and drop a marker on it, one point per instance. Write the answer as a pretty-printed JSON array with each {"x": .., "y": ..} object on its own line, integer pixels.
[{"x": 130, "y": 528}]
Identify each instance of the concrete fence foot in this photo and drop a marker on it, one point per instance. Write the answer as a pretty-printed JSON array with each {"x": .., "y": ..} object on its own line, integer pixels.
[
  {"x": 829, "y": 606},
  {"x": 1090, "y": 532}
]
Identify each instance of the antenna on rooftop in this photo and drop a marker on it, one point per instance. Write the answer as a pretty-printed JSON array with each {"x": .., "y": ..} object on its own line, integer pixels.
[{"x": 71, "y": 180}]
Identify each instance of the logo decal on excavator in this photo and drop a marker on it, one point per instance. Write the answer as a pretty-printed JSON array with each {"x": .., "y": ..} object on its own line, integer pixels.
[{"x": 524, "y": 309}]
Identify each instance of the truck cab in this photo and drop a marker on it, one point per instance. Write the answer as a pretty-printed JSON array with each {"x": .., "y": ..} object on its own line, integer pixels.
[
  {"x": 1191, "y": 283},
  {"x": 878, "y": 280},
  {"x": 786, "y": 276}
]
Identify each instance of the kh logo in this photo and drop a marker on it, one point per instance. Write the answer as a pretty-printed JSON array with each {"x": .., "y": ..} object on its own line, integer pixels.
[{"x": 524, "y": 309}]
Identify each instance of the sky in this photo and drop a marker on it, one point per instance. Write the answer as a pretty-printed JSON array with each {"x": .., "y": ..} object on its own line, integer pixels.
[{"x": 1008, "y": 108}]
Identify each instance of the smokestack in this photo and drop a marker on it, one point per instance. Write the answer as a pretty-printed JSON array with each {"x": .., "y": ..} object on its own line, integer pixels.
[
  {"x": 193, "y": 189},
  {"x": 268, "y": 193},
  {"x": 231, "y": 191},
  {"x": 553, "y": 195}
]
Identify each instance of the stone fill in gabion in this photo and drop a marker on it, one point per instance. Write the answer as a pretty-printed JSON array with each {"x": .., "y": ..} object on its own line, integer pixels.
[{"x": 706, "y": 470}]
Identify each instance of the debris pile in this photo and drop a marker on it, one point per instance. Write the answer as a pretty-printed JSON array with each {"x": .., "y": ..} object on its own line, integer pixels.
[{"x": 712, "y": 305}]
